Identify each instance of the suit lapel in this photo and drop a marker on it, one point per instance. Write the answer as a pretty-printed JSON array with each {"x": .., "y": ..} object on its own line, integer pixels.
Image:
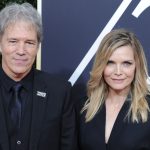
[
  {"x": 101, "y": 117},
  {"x": 94, "y": 131},
  {"x": 119, "y": 124},
  {"x": 3, "y": 131},
  {"x": 40, "y": 95}
]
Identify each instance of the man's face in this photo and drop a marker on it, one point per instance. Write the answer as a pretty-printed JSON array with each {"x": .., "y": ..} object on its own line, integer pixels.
[{"x": 19, "y": 46}]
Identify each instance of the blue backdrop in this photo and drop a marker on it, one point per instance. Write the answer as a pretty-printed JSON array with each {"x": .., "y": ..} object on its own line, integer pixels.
[{"x": 73, "y": 29}]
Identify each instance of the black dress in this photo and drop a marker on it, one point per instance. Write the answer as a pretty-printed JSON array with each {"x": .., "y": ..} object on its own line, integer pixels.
[{"x": 125, "y": 135}]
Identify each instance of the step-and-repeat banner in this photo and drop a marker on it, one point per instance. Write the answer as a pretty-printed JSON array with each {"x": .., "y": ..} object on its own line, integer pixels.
[{"x": 73, "y": 30}]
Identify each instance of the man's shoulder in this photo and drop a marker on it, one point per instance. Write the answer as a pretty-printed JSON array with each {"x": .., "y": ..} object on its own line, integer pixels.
[{"x": 50, "y": 79}]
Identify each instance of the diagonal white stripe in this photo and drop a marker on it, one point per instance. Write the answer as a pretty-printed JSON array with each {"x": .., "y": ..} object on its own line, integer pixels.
[
  {"x": 109, "y": 26},
  {"x": 141, "y": 7}
]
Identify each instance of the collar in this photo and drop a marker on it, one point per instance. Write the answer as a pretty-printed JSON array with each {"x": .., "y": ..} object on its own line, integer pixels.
[{"x": 8, "y": 83}]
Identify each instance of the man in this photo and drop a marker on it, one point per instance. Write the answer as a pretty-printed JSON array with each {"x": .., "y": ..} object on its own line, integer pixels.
[{"x": 41, "y": 117}]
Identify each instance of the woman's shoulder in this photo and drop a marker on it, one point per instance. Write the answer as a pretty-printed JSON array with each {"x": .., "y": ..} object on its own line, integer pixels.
[{"x": 148, "y": 99}]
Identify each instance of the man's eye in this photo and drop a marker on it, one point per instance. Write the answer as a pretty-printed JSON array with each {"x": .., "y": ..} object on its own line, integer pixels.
[
  {"x": 31, "y": 43},
  {"x": 12, "y": 41}
]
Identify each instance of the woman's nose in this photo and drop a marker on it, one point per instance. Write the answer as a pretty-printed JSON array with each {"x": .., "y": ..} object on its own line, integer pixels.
[{"x": 118, "y": 70}]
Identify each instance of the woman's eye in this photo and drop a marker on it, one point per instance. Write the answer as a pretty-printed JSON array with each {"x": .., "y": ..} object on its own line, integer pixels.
[
  {"x": 127, "y": 63},
  {"x": 110, "y": 62}
]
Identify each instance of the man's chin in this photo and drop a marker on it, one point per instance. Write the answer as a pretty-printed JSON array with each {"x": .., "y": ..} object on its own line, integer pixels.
[{"x": 21, "y": 71}]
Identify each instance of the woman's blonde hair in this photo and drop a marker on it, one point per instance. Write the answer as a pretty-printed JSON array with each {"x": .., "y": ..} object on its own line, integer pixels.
[{"x": 97, "y": 89}]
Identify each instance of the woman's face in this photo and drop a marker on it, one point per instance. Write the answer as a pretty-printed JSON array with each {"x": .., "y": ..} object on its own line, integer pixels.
[{"x": 120, "y": 69}]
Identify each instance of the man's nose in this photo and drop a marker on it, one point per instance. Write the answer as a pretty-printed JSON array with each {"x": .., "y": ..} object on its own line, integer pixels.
[{"x": 21, "y": 49}]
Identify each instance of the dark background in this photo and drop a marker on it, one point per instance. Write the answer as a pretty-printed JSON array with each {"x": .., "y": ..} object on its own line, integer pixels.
[{"x": 72, "y": 26}]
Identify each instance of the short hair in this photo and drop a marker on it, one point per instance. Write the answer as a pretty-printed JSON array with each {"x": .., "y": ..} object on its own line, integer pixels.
[{"x": 14, "y": 12}]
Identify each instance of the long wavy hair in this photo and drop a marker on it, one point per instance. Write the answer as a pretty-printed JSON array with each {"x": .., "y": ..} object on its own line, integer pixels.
[{"x": 97, "y": 89}]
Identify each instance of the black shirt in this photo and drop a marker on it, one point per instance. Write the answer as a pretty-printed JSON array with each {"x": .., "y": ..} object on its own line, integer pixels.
[{"x": 17, "y": 139}]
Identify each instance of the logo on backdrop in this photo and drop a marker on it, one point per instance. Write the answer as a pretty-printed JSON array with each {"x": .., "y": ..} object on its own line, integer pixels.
[{"x": 140, "y": 8}]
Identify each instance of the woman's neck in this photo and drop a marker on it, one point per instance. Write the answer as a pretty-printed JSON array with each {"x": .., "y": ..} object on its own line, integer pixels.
[{"x": 117, "y": 96}]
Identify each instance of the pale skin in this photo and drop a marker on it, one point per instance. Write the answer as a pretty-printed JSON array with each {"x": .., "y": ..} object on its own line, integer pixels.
[
  {"x": 118, "y": 74},
  {"x": 19, "y": 46}
]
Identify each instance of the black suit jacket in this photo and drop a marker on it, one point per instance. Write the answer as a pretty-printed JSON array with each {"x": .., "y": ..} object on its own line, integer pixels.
[
  {"x": 125, "y": 135},
  {"x": 53, "y": 120}
]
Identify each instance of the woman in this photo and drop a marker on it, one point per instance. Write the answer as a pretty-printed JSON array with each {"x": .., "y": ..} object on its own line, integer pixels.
[{"x": 116, "y": 114}]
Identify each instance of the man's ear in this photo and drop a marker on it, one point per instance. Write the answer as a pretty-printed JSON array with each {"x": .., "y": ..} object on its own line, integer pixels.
[
  {"x": 0, "y": 44},
  {"x": 0, "y": 47}
]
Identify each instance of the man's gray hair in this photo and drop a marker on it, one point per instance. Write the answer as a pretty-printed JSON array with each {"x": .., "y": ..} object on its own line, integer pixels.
[{"x": 14, "y": 12}]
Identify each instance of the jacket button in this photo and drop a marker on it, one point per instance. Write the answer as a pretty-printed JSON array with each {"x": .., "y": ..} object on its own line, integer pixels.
[{"x": 18, "y": 142}]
